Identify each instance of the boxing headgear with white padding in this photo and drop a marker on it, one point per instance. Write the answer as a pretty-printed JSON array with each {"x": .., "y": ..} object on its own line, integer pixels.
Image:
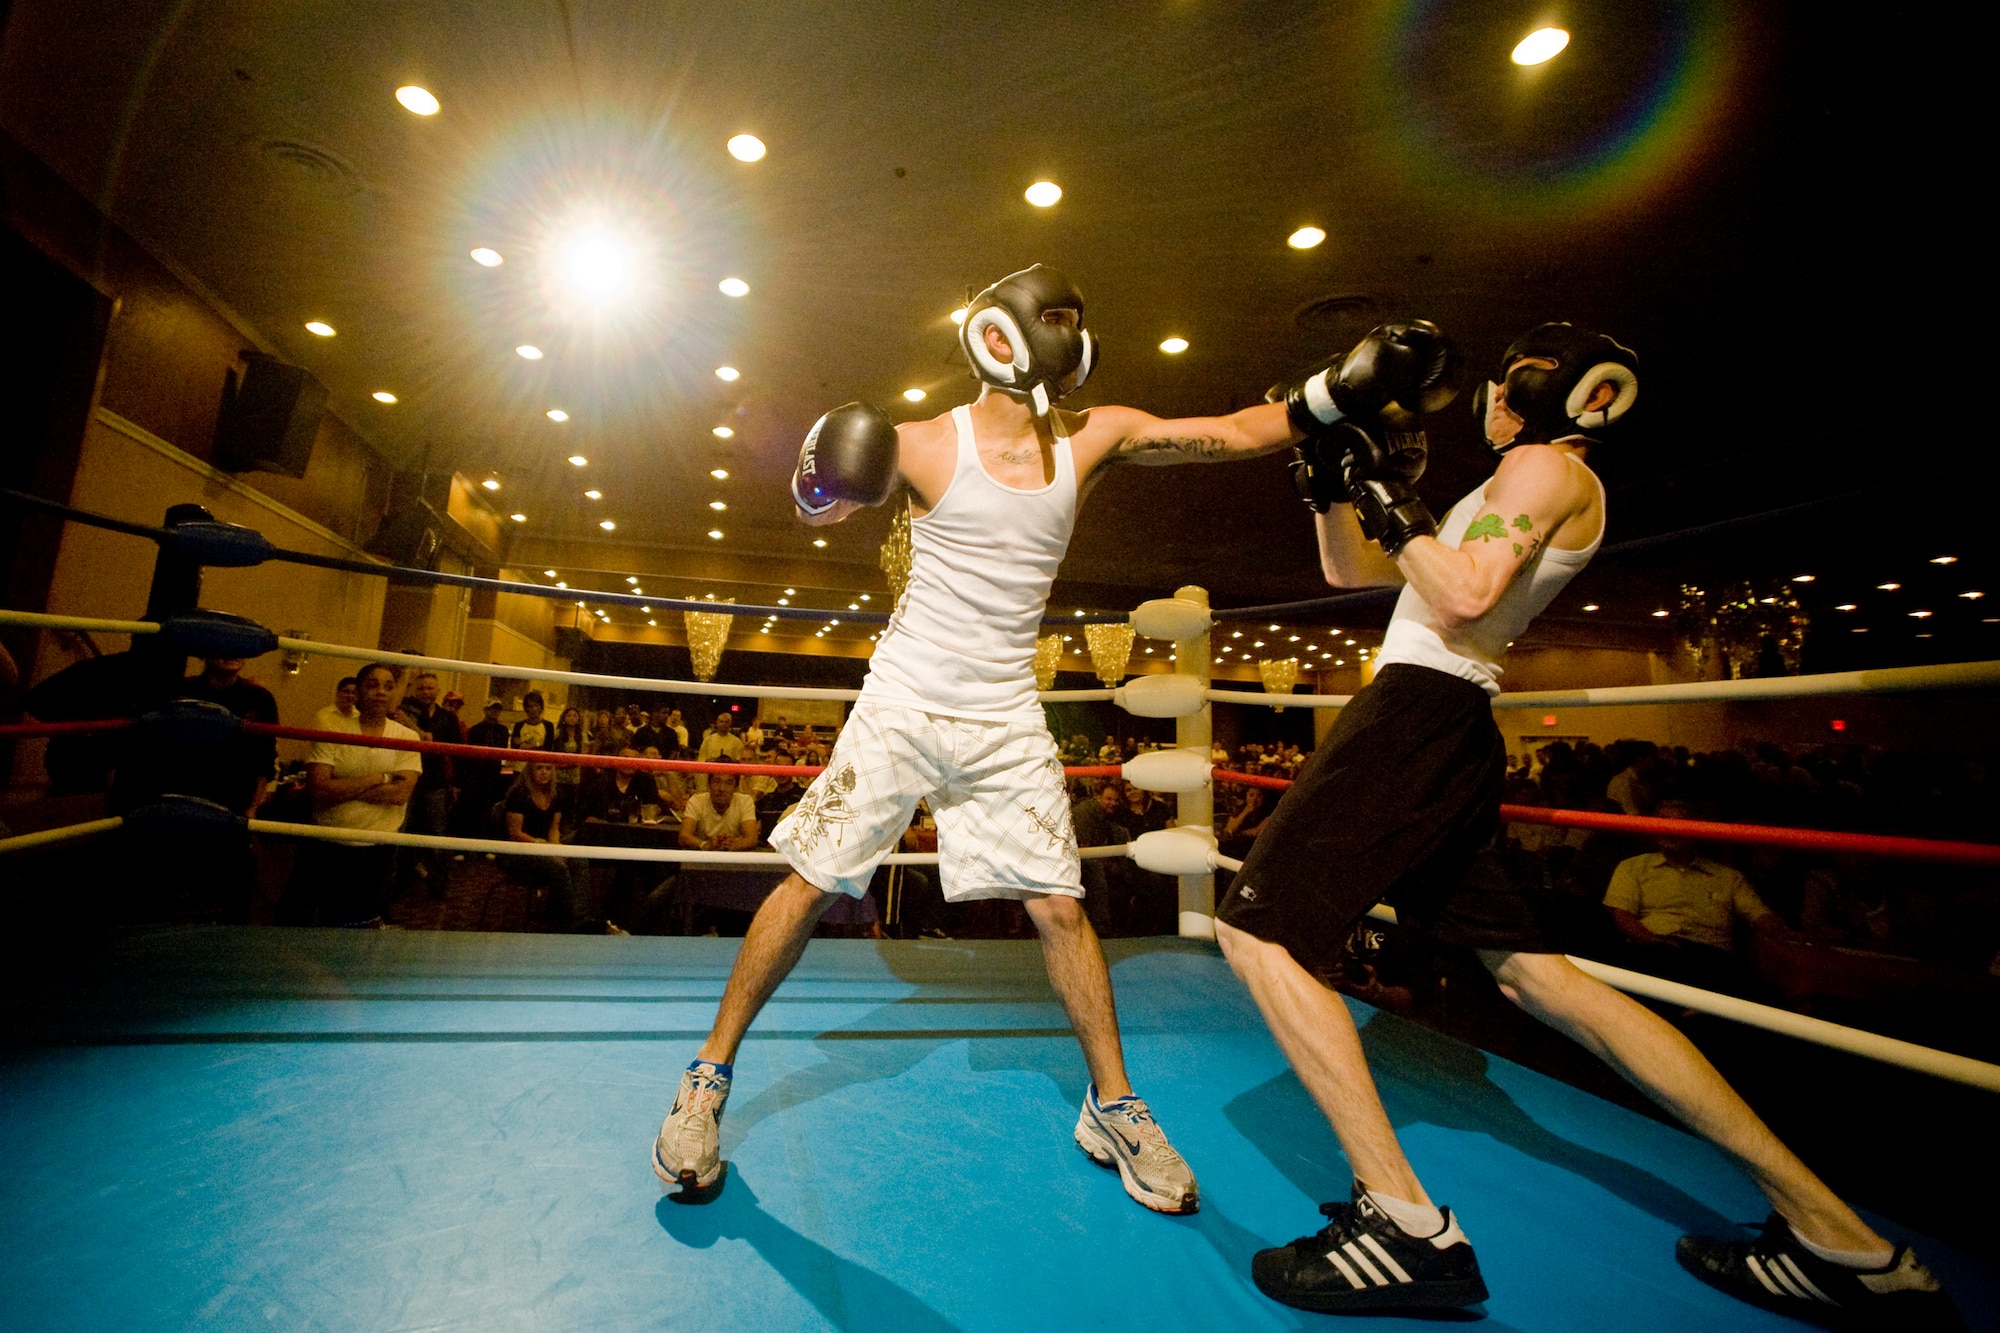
[
  {"x": 1554, "y": 404},
  {"x": 1050, "y": 360}
]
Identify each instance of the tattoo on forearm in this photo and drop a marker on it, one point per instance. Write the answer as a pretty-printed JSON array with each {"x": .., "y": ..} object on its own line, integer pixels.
[{"x": 1195, "y": 446}]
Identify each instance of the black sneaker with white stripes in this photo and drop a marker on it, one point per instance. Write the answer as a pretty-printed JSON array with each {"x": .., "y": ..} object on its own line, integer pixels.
[
  {"x": 1361, "y": 1260},
  {"x": 1778, "y": 1273}
]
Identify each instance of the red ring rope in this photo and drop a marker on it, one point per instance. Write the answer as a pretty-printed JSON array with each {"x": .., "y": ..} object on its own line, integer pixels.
[
  {"x": 29, "y": 730},
  {"x": 1933, "y": 850}
]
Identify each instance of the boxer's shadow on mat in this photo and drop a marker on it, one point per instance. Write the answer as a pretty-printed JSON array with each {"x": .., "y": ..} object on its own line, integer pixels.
[
  {"x": 895, "y": 1037},
  {"x": 847, "y": 1295},
  {"x": 1425, "y": 1078}
]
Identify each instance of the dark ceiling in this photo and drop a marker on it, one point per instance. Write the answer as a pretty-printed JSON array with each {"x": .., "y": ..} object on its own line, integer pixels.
[{"x": 1694, "y": 178}]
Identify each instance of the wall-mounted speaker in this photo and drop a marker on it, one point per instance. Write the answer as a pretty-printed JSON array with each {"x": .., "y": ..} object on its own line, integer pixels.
[{"x": 270, "y": 414}]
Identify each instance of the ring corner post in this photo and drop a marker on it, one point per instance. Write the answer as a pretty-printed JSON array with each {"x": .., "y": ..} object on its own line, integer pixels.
[{"x": 1196, "y": 809}]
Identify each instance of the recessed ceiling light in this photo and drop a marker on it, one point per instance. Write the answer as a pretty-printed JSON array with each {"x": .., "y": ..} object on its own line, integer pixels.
[
  {"x": 1042, "y": 194},
  {"x": 528, "y": 352},
  {"x": 562, "y": 585},
  {"x": 556, "y": 414},
  {"x": 578, "y": 460},
  {"x": 734, "y": 287},
  {"x": 1972, "y": 596},
  {"x": 719, "y": 473},
  {"x": 1347, "y": 643},
  {"x": 487, "y": 257},
  {"x": 418, "y": 101},
  {"x": 607, "y": 525},
  {"x": 1804, "y": 578},
  {"x": 729, "y": 374},
  {"x": 383, "y": 396},
  {"x": 864, "y": 596},
  {"x": 717, "y": 505},
  {"x": 831, "y": 623},
  {"x": 1944, "y": 559},
  {"x": 1860, "y": 629},
  {"x": 915, "y": 395},
  {"x": 722, "y": 432},
  {"x": 548, "y": 573},
  {"x": 958, "y": 315},
  {"x": 593, "y": 495},
  {"x": 791, "y": 592},
  {"x": 632, "y": 579},
  {"x": 579, "y": 603},
  {"x": 784, "y": 601},
  {"x": 715, "y": 533},
  {"x": 854, "y": 606},
  {"x": 518, "y": 518},
  {"x": 645, "y": 610},
  {"x": 1887, "y": 587},
  {"x": 1174, "y": 346},
  {"x": 1920, "y": 615},
  {"x": 490, "y": 484},
  {"x": 1847, "y": 606},
  {"x": 319, "y": 326},
  {"x": 1540, "y": 45},
  {"x": 1659, "y": 615},
  {"x": 1590, "y": 606},
  {"x": 746, "y": 148},
  {"x": 654, "y": 623},
  {"x": 819, "y": 541},
  {"x": 1258, "y": 644},
  {"x": 1305, "y": 238}
]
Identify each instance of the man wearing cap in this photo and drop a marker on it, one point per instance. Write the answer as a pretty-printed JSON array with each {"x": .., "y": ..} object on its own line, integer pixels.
[{"x": 480, "y": 781}]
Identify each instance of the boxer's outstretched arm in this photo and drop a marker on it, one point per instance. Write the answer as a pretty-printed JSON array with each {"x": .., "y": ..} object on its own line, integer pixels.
[
  {"x": 1531, "y": 496},
  {"x": 1108, "y": 434}
]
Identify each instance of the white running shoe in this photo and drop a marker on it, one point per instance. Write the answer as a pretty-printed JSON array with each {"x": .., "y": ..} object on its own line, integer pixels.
[
  {"x": 1124, "y": 1135},
  {"x": 688, "y": 1152}
]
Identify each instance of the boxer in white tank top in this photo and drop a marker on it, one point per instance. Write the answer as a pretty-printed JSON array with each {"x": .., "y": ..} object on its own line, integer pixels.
[
  {"x": 1395, "y": 803},
  {"x": 949, "y": 712}
]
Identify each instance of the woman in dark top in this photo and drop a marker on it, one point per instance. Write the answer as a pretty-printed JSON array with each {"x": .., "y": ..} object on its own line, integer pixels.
[
  {"x": 568, "y": 739},
  {"x": 536, "y": 811}
]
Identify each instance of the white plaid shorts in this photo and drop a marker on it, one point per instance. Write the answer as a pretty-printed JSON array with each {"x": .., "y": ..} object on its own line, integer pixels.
[{"x": 995, "y": 788}]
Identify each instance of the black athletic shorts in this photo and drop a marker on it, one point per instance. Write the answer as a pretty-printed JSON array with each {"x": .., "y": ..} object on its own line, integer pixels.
[{"x": 1396, "y": 805}]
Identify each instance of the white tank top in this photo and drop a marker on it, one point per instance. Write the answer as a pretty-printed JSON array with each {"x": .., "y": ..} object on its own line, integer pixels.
[
  {"x": 1472, "y": 652},
  {"x": 962, "y": 642}
]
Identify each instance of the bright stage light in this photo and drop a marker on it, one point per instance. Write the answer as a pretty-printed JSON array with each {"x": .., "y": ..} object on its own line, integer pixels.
[
  {"x": 915, "y": 395},
  {"x": 1043, "y": 194},
  {"x": 487, "y": 257},
  {"x": 528, "y": 352},
  {"x": 557, "y": 415},
  {"x": 746, "y": 148},
  {"x": 383, "y": 396},
  {"x": 597, "y": 266},
  {"x": 728, "y": 373},
  {"x": 1540, "y": 45},
  {"x": 1174, "y": 346},
  {"x": 417, "y": 101},
  {"x": 722, "y": 432},
  {"x": 733, "y": 287},
  {"x": 1305, "y": 238},
  {"x": 320, "y": 327}
]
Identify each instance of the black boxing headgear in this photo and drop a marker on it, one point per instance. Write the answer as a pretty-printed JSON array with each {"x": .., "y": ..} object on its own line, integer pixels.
[
  {"x": 1552, "y": 404},
  {"x": 1050, "y": 360}
]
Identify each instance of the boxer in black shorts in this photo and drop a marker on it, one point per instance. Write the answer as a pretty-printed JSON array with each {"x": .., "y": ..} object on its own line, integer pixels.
[{"x": 1405, "y": 791}]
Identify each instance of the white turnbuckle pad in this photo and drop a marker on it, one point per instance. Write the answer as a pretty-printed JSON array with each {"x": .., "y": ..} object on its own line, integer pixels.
[
  {"x": 1173, "y": 618},
  {"x": 1175, "y": 851},
  {"x": 1160, "y": 696},
  {"x": 1168, "y": 770}
]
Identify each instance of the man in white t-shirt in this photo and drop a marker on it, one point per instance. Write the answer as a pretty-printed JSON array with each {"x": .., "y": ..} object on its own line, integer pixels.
[
  {"x": 341, "y": 710},
  {"x": 721, "y": 819},
  {"x": 359, "y": 787}
]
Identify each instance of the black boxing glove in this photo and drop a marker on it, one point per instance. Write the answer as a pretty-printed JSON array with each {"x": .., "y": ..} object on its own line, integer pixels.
[
  {"x": 1319, "y": 466},
  {"x": 1413, "y": 366},
  {"x": 850, "y": 453},
  {"x": 1381, "y": 472}
]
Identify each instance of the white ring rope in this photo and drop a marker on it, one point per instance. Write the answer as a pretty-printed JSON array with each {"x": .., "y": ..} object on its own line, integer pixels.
[
  {"x": 1873, "y": 1046},
  {"x": 1892, "y": 680},
  {"x": 580, "y": 851},
  {"x": 50, "y": 836}
]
